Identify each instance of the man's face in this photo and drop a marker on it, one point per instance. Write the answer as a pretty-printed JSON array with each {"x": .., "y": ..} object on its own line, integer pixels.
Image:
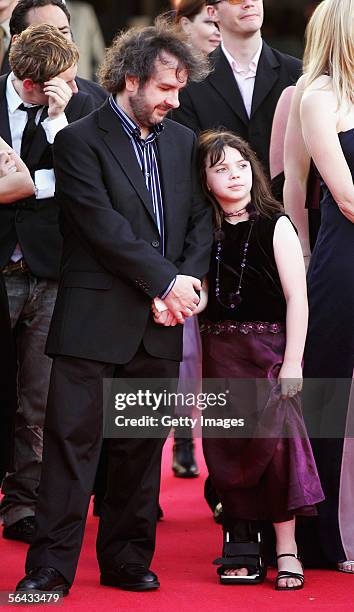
[
  {"x": 35, "y": 94},
  {"x": 243, "y": 18},
  {"x": 151, "y": 102},
  {"x": 51, "y": 15}
]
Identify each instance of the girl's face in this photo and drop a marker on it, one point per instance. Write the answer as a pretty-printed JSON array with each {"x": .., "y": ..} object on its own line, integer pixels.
[
  {"x": 230, "y": 180},
  {"x": 202, "y": 31}
]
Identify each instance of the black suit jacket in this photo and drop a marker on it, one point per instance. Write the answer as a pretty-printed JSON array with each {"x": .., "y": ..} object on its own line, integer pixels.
[
  {"x": 217, "y": 102},
  {"x": 32, "y": 222},
  {"x": 112, "y": 264},
  {"x": 97, "y": 93}
]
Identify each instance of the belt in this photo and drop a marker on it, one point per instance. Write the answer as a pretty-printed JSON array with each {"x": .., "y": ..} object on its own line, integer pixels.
[{"x": 15, "y": 266}]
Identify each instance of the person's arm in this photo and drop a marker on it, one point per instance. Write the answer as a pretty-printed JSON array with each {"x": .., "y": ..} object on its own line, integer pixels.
[
  {"x": 280, "y": 120},
  {"x": 291, "y": 269},
  {"x": 15, "y": 179},
  {"x": 296, "y": 168},
  {"x": 319, "y": 118},
  {"x": 203, "y": 297}
]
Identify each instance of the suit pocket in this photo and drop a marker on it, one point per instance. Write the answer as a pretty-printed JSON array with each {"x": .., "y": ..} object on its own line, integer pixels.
[{"x": 87, "y": 280}]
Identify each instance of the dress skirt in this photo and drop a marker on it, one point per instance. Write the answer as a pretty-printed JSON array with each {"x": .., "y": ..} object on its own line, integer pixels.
[{"x": 265, "y": 472}]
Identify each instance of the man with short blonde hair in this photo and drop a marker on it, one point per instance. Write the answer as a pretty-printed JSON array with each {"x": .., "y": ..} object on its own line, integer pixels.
[{"x": 37, "y": 101}]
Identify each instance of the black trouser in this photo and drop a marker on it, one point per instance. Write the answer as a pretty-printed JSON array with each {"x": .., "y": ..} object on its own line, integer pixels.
[
  {"x": 72, "y": 444},
  {"x": 8, "y": 395}
]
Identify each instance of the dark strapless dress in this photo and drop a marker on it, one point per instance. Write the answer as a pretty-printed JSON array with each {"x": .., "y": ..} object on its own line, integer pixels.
[{"x": 329, "y": 358}]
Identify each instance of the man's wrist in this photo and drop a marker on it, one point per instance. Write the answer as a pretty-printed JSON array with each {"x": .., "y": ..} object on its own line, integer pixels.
[{"x": 166, "y": 291}]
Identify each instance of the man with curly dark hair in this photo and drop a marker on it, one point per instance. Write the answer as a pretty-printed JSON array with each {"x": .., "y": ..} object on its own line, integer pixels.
[{"x": 137, "y": 230}]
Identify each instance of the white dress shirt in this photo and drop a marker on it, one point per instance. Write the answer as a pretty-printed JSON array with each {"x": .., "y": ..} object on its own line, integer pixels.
[
  {"x": 44, "y": 180},
  {"x": 245, "y": 79}
]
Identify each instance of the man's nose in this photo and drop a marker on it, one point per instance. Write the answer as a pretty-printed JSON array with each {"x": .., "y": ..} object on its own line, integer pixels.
[{"x": 172, "y": 99}]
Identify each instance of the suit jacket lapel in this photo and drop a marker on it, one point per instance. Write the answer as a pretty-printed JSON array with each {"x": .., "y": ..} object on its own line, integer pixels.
[
  {"x": 267, "y": 75},
  {"x": 4, "y": 115},
  {"x": 223, "y": 80},
  {"x": 120, "y": 146}
]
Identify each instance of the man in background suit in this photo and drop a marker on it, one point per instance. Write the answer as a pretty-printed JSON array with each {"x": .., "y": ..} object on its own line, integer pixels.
[
  {"x": 6, "y": 8},
  {"x": 242, "y": 91},
  {"x": 36, "y": 102},
  {"x": 55, "y": 13},
  {"x": 136, "y": 226}
]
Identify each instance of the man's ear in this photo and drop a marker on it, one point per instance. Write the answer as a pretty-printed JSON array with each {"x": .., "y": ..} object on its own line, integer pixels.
[
  {"x": 14, "y": 38},
  {"x": 28, "y": 85},
  {"x": 131, "y": 83}
]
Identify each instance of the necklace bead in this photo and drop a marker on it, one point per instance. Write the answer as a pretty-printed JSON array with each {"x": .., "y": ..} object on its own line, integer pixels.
[{"x": 234, "y": 298}]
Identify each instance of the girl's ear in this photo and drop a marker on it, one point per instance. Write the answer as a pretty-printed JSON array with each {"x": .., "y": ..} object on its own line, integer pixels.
[{"x": 208, "y": 188}]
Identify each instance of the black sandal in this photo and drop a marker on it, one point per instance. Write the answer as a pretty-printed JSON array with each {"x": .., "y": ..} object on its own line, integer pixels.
[
  {"x": 236, "y": 555},
  {"x": 285, "y": 574}
]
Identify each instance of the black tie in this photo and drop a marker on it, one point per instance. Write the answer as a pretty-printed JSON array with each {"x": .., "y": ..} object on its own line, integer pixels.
[{"x": 29, "y": 130}]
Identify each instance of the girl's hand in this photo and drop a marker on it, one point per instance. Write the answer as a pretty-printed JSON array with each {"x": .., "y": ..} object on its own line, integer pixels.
[
  {"x": 290, "y": 379},
  {"x": 165, "y": 318}
]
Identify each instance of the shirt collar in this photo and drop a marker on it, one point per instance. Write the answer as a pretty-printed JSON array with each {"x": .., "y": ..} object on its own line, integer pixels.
[
  {"x": 252, "y": 68},
  {"x": 130, "y": 127},
  {"x": 12, "y": 97}
]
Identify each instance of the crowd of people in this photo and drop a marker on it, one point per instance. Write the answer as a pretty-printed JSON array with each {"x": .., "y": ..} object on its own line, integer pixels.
[{"x": 159, "y": 225}]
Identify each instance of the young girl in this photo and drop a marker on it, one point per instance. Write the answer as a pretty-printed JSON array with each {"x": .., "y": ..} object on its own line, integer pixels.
[{"x": 253, "y": 327}]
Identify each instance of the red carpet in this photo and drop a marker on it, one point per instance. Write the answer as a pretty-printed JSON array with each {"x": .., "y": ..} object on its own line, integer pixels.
[{"x": 188, "y": 540}]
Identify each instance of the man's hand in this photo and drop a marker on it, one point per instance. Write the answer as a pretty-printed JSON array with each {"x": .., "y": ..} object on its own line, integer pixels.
[
  {"x": 7, "y": 163},
  {"x": 59, "y": 94},
  {"x": 182, "y": 300}
]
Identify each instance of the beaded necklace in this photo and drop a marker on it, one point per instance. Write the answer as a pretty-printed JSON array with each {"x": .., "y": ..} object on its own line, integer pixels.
[{"x": 234, "y": 298}]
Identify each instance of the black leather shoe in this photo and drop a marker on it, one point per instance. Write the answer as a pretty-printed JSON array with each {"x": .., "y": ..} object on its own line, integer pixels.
[
  {"x": 46, "y": 579},
  {"x": 130, "y": 577},
  {"x": 159, "y": 513},
  {"x": 23, "y": 530},
  {"x": 184, "y": 464}
]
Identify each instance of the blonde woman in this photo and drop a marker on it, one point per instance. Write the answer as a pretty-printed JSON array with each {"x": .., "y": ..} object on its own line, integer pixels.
[
  {"x": 327, "y": 121},
  {"x": 15, "y": 179}
]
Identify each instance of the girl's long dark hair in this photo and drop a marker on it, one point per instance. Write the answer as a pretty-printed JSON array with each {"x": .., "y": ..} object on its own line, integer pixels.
[{"x": 211, "y": 150}]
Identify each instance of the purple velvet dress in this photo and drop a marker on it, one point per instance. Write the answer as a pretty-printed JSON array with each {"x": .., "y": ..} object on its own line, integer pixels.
[{"x": 271, "y": 473}]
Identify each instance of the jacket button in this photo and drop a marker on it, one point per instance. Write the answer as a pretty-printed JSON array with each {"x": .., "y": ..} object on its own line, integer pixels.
[
  {"x": 155, "y": 244},
  {"x": 19, "y": 216}
]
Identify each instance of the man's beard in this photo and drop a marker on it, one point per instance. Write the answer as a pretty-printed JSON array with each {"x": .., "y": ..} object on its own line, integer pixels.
[
  {"x": 141, "y": 110},
  {"x": 138, "y": 105}
]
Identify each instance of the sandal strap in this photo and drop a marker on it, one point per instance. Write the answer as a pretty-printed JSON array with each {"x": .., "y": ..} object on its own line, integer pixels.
[
  {"x": 238, "y": 560},
  {"x": 241, "y": 548},
  {"x": 286, "y": 574},
  {"x": 289, "y": 555}
]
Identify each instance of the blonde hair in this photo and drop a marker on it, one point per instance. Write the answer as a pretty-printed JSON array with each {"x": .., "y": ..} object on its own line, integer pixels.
[
  {"x": 330, "y": 47},
  {"x": 41, "y": 52}
]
